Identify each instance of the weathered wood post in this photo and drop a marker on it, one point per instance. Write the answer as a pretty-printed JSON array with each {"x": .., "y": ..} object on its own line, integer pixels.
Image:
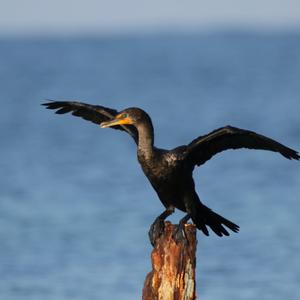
[{"x": 173, "y": 267}]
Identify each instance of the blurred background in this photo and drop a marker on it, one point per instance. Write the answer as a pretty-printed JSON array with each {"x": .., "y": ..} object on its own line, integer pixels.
[{"x": 75, "y": 207}]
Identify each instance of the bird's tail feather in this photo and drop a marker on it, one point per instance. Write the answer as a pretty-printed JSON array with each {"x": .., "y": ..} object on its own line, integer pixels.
[{"x": 206, "y": 217}]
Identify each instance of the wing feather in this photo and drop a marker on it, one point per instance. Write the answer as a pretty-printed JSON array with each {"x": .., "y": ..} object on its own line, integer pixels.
[
  {"x": 94, "y": 113},
  {"x": 205, "y": 147}
]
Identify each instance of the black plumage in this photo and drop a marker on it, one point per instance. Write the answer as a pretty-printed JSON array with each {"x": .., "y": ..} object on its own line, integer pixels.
[
  {"x": 94, "y": 113},
  {"x": 170, "y": 171}
]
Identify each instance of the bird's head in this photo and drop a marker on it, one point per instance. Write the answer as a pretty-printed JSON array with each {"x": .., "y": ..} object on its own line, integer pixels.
[{"x": 128, "y": 116}]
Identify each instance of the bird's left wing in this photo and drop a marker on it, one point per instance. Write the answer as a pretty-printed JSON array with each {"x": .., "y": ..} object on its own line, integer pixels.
[
  {"x": 94, "y": 113},
  {"x": 204, "y": 147}
]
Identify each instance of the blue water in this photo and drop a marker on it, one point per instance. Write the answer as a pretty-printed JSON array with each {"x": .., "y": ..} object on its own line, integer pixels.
[{"x": 75, "y": 207}]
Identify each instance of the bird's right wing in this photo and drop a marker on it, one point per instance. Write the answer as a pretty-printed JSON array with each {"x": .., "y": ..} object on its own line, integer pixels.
[
  {"x": 94, "y": 113},
  {"x": 204, "y": 147}
]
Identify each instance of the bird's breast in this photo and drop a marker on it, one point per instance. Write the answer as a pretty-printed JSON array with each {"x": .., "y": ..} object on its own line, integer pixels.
[{"x": 162, "y": 168}]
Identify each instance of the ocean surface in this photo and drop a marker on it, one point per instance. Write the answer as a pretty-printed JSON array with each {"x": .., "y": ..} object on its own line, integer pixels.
[{"x": 75, "y": 207}]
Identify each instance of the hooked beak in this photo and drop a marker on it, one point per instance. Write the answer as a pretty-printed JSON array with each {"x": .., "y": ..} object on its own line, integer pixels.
[{"x": 116, "y": 121}]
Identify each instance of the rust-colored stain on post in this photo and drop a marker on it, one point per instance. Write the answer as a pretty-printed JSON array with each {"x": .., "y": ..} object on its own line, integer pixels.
[{"x": 173, "y": 267}]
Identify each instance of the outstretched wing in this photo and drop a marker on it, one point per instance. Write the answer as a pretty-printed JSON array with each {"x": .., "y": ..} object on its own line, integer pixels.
[
  {"x": 94, "y": 113},
  {"x": 204, "y": 147}
]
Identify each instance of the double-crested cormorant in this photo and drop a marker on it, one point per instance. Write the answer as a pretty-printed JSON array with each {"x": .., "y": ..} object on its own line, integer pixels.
[{"x": 170, "y": 171}]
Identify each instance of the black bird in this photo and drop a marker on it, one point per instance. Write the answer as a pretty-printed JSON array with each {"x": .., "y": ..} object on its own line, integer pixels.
[{"x": 170, "y": 171}]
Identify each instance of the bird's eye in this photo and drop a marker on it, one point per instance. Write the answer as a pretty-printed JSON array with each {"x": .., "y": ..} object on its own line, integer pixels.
[{"x": 123, "y": 116}]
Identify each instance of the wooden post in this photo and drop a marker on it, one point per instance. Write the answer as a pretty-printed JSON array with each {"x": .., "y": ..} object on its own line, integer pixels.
[{"x": 173, "y": 267}]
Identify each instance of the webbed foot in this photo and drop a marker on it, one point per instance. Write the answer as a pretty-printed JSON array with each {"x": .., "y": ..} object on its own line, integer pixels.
[
  {"x": 179, "y": 233},
  {"x": 156, "y": 230}
]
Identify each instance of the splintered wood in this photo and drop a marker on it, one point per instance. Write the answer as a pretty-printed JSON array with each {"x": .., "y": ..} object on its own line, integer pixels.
[{"x": 173, "y": 267}]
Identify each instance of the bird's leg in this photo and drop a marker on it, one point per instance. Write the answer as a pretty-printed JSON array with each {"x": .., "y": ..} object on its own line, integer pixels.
[
  {"x": 158, "y": 226},
  {"x": 179, "y": 233}
]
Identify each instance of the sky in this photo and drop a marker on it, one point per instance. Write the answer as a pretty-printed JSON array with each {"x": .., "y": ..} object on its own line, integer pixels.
[{"x": 77, "y": 16}]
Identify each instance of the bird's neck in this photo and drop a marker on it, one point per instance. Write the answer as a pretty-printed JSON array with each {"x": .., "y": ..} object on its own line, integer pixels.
[{"x": 146, "y": 139}]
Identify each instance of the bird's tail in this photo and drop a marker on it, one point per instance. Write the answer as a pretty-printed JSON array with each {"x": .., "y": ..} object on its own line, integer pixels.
[{"x": 206, "y": 217}]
